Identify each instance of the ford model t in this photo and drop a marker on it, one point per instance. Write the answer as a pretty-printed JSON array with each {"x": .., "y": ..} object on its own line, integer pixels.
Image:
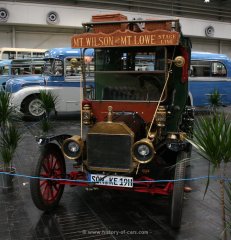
[{"x": 136, "y": 111}]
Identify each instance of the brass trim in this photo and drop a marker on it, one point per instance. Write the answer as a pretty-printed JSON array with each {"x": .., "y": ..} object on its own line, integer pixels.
[
  {"x": 110, "y": 114},
  {"x": 109, "y": 128},
  {"x": 161, "y": 115},
  {"x": 110, "y": 169},
  {"x": 162, "y": 94},
  {"x": 86, "y": 114},
  {"x": 182, "y": 136}
]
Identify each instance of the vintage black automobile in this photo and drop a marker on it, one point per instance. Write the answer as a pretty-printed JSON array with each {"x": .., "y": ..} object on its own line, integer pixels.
[{"x": 137, "y": 112}]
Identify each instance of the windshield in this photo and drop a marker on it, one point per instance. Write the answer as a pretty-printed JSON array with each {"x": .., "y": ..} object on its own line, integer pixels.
[
  {"x": 203, "y": 68},
  {"x": 4, "y": 71},
  {"x": 130, "y": 73},
  {"x": 53, "y": 67}
]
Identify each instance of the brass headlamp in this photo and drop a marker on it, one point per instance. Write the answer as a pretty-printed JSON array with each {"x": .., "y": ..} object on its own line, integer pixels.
[
  {"x": 143, "y": 151},
  {"x": 72, "y": 147}
]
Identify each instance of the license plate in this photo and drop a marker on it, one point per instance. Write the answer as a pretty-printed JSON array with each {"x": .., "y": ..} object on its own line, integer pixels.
[{"x": 115, "y": 181}]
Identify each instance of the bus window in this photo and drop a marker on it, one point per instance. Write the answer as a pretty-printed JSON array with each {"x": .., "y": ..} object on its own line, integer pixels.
[
  {"x": 27, "y": 70},
  {"x": 37, "y": 54},
  {"x": 21, "y": 53},
  {"x": 15, "y": 70},
  {"x": 8, "y": 55},
  {"x": 6, "y": 70},
  {"x": 200, "y": 69},
  {"x": 24, "y": 55},
  {"x": 26, "y": 66},
  {"x": 72, "y": 66},
  {"x": 37, "y": 69},
  {"x": 53, "y": 67},
  {"x": 207, "y": 69},
  {"x": 218, "y": 69}
]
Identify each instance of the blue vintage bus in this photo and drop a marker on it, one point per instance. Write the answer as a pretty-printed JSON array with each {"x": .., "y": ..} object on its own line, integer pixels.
[
  {"x": 209, "y": 71},
  {"x": 61, "y": 75},
  {"x": 19, "y": 67}
]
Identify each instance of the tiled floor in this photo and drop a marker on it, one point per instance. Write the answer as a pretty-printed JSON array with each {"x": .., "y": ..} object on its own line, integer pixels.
[{"x": 114, "y": 214}]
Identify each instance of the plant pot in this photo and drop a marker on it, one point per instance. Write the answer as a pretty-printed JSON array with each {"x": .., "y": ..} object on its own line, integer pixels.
[{"x": 6, "y": 180}]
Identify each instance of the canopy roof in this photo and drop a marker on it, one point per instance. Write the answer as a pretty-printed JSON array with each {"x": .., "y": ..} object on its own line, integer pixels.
[{"x": 106, "y": 32}]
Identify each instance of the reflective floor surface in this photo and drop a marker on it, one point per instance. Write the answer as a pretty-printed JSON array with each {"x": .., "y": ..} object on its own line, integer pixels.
[{"x": 104, "y": 214}]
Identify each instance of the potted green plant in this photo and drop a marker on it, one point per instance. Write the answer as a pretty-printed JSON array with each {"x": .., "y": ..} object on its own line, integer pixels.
[
  {"x": 45, "y": 125},
  {"x": 9, "y": 139},
  {"x": 212, "y": 140},
  {"x": 49, "y": 101},
  {"x": 215, "y": 100}
]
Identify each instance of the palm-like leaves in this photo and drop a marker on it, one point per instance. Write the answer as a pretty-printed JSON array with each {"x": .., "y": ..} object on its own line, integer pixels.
[
  {"x": 215, "y": 99},
  {"x": 212, "y": 139},
  {"x": 7, "y": 155},
  {"x": 7, "y": 112},
  {"x": 49, "y": 101},
  {"x": 45, "y": 125},
  {"x": 10, "y": 138},
  {"x": 9, "y": 133}
]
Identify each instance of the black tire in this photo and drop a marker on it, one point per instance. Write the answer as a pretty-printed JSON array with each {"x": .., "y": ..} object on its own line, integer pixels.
[
  {"x": 177, "y": 197},
  {"x": 32, "y": 108},
  {"x": 46, "y": 194}
]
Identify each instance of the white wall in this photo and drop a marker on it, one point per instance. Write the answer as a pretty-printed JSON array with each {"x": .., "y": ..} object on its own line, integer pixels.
[
  {"x": 34, "y": 16},
  {"x": 45, "y": 40}
]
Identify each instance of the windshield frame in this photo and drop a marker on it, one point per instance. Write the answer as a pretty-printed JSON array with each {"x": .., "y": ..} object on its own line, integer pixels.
[{"x": 131, "y": 92}]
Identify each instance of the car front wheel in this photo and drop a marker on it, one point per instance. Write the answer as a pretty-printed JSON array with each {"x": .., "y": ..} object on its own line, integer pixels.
[
  {"x": 177, "y": 196},
  {"x": 32, "y": 108},
  {"x": 46, "y": 193}
]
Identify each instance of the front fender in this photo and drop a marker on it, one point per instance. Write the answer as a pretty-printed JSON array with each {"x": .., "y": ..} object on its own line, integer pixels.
[
  {"x": 48, "y": 139},
  {"x": 18, "y": 97}
]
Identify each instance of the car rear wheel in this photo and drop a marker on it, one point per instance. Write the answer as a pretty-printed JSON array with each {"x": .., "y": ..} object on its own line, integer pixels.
[
  {"x": 46, "y": 193},
  {"x": 177, "y": 196}
]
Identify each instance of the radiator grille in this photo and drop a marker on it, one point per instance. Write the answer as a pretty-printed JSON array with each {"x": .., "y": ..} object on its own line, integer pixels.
[{"x": 109, "y": 152}]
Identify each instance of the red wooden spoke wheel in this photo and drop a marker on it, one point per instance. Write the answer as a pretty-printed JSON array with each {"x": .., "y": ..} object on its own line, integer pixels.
[{"x": 46, "y": 193}]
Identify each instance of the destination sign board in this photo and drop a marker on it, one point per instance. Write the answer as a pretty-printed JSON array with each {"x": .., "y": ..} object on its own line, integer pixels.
[{"x": 126, "y": 38}]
